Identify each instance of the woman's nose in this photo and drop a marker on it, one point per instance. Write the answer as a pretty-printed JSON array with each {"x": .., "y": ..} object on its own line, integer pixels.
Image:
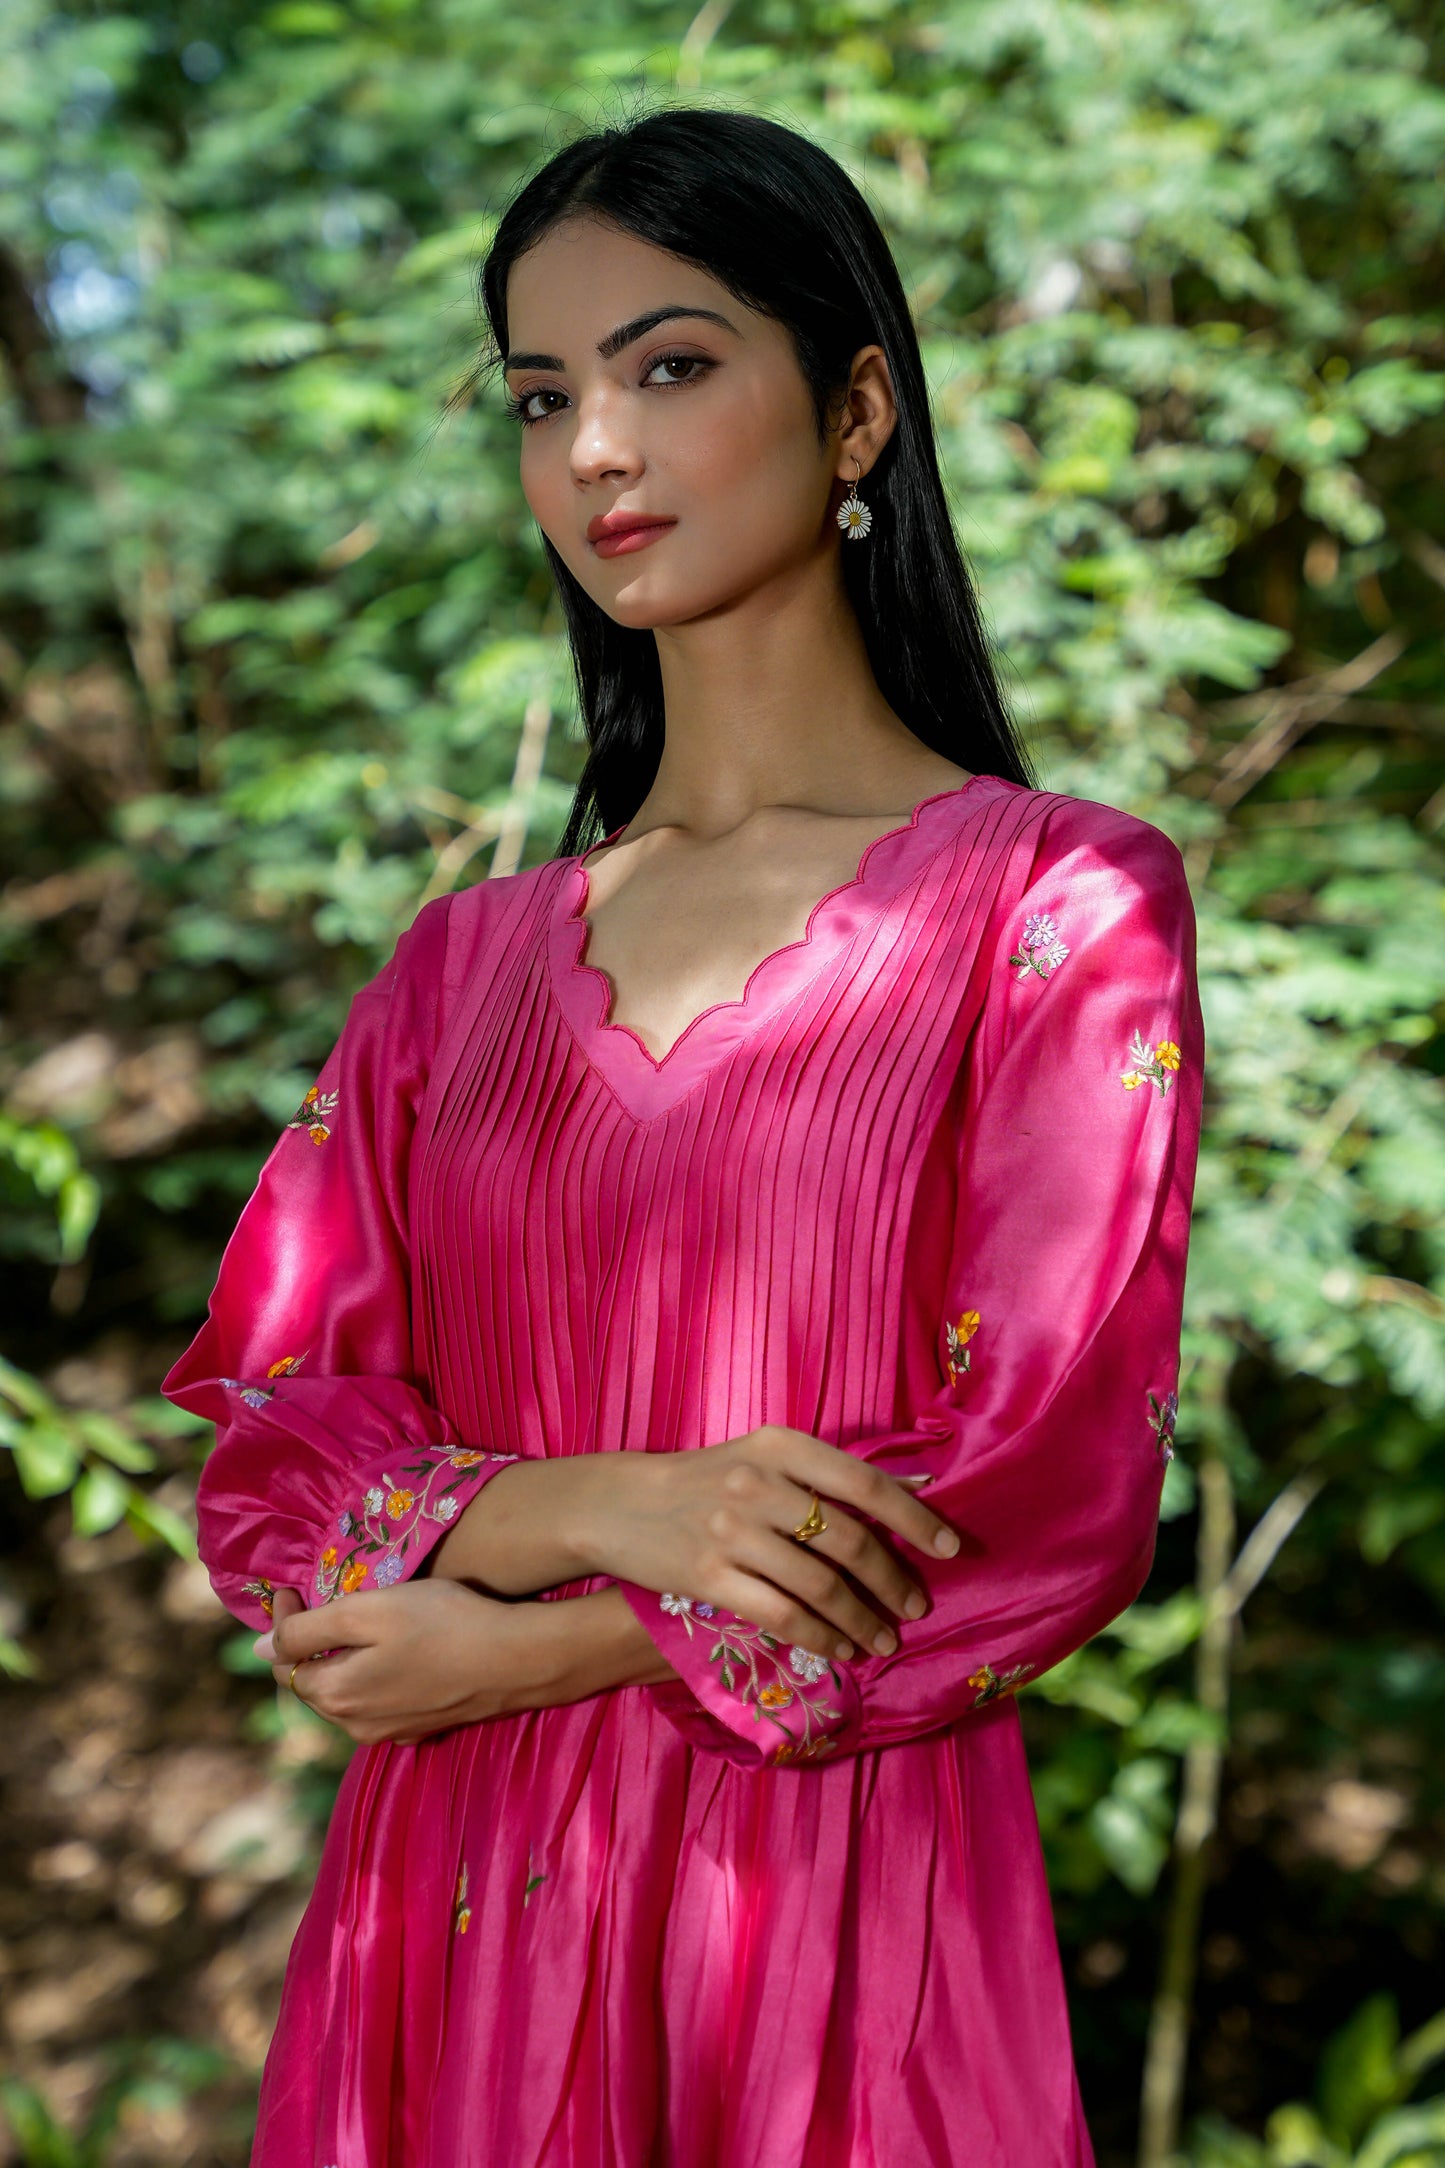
[{"x": 601, "y": 449}]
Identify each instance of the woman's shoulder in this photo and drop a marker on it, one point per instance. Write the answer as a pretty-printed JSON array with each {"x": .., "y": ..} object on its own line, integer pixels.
[
  {"x": 1054, "y": 828},
  {"x": 453, "y": 937}
]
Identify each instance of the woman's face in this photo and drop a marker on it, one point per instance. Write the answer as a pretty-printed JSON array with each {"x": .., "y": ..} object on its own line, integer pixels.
[{"x": 669, "y": 450}]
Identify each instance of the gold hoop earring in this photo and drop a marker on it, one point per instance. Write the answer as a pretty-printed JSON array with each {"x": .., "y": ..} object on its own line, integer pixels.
[{"x": 854, "y": 517}]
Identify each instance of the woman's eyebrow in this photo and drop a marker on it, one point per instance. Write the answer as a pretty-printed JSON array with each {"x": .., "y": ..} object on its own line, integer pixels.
[{"x": 636, "y": 328}]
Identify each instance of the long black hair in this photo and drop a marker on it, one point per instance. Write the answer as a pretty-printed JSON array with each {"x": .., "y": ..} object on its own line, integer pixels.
[{"x": 778, "y": 222}]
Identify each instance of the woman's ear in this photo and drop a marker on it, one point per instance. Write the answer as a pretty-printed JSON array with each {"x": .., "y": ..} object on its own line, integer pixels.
[{"x": 869, "y": 412}]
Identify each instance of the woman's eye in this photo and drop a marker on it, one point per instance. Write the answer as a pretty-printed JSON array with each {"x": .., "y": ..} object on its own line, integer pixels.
[
  {"x": 525, "y": 406},
  {"x": 678, "y": 368}
]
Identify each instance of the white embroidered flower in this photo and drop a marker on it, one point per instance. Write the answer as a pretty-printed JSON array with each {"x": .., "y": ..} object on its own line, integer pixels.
[
  {"x": 1053, "y": 955},
  {"x": 808, "y": 1666},
  {"x": 447, "y": 1510},
  {"x": 676, "y": 1605},
  {"x": 374, "y": 1500}
]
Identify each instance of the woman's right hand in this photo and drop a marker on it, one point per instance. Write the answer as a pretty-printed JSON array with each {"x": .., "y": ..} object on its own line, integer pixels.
[{"x": 716, "y": 1524}]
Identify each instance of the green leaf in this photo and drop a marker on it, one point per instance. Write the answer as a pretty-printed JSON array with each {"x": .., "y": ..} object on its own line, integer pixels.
[
  {"x": 99, "y": 1499},
  {"x": 1358, "y": 2076}
]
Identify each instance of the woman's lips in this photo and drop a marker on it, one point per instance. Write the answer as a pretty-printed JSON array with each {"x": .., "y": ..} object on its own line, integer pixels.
[{"x": 627, "y": 539}]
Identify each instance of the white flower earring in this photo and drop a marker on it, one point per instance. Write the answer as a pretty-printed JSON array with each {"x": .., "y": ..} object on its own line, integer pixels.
[{"x": 854, "y": 517}]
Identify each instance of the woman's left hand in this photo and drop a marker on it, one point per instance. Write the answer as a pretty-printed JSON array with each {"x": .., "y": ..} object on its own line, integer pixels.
[{"x": 405, "y": 1662}]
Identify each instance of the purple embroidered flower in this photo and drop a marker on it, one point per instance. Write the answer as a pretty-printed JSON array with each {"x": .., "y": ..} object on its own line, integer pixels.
[
  {"x": 254, "y": 1397},
  {"x": 705, "y": 1610},
  {"x": 345, "y": 1523},
  {"x": 391, "y": 1569},
  {"x": 1040, "y": 950}
]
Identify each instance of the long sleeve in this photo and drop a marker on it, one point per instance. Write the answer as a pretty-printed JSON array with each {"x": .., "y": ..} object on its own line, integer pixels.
[
  {"x": 332, "y": 1470},
  {"x": 1066, "y": 1170}
]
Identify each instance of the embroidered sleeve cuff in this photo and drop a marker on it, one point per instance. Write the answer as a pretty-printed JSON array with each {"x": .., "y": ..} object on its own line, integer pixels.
[
  {"x": 740, "y": 1691},
  {"x": 396, "y": 1512}
]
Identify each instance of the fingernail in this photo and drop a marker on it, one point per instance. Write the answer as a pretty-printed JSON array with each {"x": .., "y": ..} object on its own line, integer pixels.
[
  {"x": 914, "y": 1608},
  {"x": 946, "y": 1541},
  {"x": 845, "y": 1648},
  {"x": 915, "y": 1479},
  {"x": 885, "y": 1643},
  {"x": 266, "y": 1647}
]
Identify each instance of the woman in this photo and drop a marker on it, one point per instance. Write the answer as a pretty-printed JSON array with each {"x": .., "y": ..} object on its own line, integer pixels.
[{"x": 668, "y": 1217}]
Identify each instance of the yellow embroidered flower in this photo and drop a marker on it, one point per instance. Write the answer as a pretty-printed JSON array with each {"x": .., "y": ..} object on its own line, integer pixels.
[
  {"x": 354, "y": 1575},
  {"x": 462, "y": 1911},
  {"x": 328, "y": 1556},
  {"x": 1154, "y": 1065},
  {"x": 286, "y": 1368},
  {"x": 400, "y": 1503},
  {"x": 313, "y": 1112},
  {"x": 775, "y": 1697},
  {"x": 958, "y": 1337},
  {"x": 992, "y": 1688},
  {"x": 465, "y": 1459}
]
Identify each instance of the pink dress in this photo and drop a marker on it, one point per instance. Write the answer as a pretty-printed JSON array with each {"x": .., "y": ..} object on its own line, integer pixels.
[{"x": 923, "y": 1191}]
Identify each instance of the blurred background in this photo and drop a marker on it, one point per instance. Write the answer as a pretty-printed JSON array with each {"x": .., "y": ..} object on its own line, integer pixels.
[{"x": 279, "y": 660}]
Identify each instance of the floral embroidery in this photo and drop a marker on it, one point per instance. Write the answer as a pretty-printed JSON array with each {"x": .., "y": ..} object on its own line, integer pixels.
[
  {"x": 255, "y": 1396},
  {"x": 258, "y": 1396},
  {"x": 381, "y": 1531},
  {"x": 461, "y": 1910},
  {"x": 992, "y": 1686},
  {"x": 743, "y": 1653},
  {"x": 958, "y": 1337},
  {"x": 1040, "y": 949},
  {"x": 1152, "y": 1064},
  {"x": 534, "y": 1881},
  {"x": 263, "y": 1592},
  {"x": 1163, "y": 1414},
  {"x": 314, "y": 1113},
  {"x": 809, "y": 1667}
]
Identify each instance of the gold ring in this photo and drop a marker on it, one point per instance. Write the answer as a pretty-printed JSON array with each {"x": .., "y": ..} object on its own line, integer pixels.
[
  {"x": 291, "y": 1682},
  {"x": 812, "y": 1526}
]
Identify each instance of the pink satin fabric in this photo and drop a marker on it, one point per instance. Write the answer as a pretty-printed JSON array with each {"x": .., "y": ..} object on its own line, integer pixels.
[{"x": 922, "y": 1192}]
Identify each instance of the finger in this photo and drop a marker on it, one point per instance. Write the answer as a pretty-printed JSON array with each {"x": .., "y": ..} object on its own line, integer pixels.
[
  {"x": 350, "y": 1624},
  {"x": 857, "y": 1483},
  {"x": 802, "y": 1572},
  {"x": 762, "y": 1603},
  {"x": 284, "y": 1604},
  {"x": 856, "y": 1549},
  {"x": 316, "y": 1679}
]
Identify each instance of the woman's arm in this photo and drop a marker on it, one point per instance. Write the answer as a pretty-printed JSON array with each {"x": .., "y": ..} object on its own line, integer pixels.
[
  {"x": 429, "y": 1656},
  {"x": 332, "y": 1471},
  {"x": 716, "y": 1521}
]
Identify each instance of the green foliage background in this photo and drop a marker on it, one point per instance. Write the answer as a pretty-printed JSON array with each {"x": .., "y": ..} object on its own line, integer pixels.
[{"x": 278, "y": 652}]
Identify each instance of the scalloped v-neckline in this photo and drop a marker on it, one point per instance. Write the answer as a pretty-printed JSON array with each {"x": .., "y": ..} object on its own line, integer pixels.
[{"x": 648, "y": 1083}]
